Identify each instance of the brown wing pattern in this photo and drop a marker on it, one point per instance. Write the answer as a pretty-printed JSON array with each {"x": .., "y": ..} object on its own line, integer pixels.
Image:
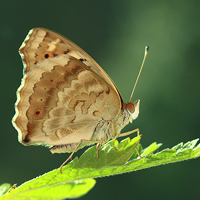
[
  {"x": 41, "y": 44},
  {"x": 61, "y": 100}
]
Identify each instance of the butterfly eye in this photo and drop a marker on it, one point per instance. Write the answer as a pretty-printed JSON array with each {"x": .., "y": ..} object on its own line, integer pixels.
[
  {"x": 130, "y": 106},
  {"x": 133, "y": 109},
  {"x": 47, "y": 54}
]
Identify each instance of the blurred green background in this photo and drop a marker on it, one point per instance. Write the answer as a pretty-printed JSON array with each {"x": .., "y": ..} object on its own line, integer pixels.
[{"x": 115, "y": 33}]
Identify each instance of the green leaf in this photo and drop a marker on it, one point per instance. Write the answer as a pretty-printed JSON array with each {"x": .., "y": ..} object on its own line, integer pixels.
[
  {"x": 4, "y": 188},
  {"x": 44, "y": 187},
  {"x": 114, "y": 158}
]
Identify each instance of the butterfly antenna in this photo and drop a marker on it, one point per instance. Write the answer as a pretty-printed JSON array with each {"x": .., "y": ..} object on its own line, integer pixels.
[{"x": 145, "y": 55}]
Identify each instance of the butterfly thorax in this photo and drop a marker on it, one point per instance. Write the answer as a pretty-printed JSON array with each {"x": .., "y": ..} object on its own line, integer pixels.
[{"x": 129, "y": 112}]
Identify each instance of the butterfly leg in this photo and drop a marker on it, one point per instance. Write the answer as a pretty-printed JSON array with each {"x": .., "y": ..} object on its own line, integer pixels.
[
  {"x": 128, "y": 133},
  {"x": 102, "y": 139},
  {"x": 83, "y": 140},
  {"x": 92, "y": 141},
  {"x": 70, "y": 156}
]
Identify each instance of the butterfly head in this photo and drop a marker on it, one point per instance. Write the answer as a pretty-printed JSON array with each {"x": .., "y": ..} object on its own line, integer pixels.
[{"x": 133, "y": 109}]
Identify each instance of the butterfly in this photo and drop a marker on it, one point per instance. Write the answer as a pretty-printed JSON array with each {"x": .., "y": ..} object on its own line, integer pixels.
[{"x": 66, "y": 101}]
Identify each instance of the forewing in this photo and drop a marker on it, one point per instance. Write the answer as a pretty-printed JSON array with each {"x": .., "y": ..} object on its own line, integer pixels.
[{"x": 41, "y": 44}]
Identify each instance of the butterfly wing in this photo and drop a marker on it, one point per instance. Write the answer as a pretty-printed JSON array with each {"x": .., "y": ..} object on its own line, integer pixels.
[
  {"x": 61, "y": 99},
  {"x": 41, "y": 44}
]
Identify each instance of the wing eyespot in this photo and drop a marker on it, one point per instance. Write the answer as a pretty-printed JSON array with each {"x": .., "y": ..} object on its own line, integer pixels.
[
  {"x": 38, "y": 112},
  {"x": 46, "y": 55}
]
